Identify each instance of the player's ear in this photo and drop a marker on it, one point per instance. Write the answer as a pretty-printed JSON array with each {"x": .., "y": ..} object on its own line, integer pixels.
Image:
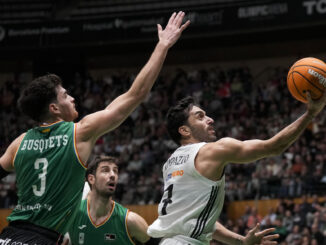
[
  {"x": 184, "y": 131},
  {"x": 91, "y": 179},
  {"x": 53, "y": 108}
]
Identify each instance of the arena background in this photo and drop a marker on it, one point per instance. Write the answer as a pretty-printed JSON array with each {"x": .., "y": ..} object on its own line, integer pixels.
[{"x": 239, "y": 52}]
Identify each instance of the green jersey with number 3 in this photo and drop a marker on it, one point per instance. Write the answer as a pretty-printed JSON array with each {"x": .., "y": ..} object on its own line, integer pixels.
[{"x": 50, "y": 177}]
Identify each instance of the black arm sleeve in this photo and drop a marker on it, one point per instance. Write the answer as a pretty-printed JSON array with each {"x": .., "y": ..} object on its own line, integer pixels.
[{"x": 3, "y": 173}]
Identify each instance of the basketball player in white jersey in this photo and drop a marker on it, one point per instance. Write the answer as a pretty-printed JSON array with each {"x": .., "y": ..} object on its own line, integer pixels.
[{"x": 194, "y": 175}]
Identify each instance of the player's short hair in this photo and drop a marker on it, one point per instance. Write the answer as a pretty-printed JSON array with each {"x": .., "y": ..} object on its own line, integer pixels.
[
  {"x": 93, "y": 165},
  {"x": 35, "y": 98},
  {"x": 177, "y": 116}
]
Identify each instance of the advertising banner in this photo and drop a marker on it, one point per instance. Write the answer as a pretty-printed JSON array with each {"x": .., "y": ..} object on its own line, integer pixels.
[{"x": 206, "y": 21}]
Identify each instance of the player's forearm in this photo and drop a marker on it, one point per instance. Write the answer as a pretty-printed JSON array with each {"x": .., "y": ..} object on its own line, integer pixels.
[
  {"x": 282, "y": 140},
  {"x": 226, "y": 236},
  {"x": 149, "y": 73}
]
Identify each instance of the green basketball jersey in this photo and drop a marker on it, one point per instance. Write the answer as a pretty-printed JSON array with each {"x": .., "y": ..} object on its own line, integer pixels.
[
  {"x": 113, "y": 230},
  {"x": 50, "y": 177}
]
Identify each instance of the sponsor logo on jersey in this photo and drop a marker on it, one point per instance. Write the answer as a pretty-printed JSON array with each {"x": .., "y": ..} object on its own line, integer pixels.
[
  {"x": 81, "y": 227},
  {"x": 174, "y": 174},
  {"x": 81, "y": 238},
  {"x": 109, "y": 237}
]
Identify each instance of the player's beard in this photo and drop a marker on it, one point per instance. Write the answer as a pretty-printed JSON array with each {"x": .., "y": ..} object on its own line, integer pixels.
[
  {"x": 105, "y": 193},
  {"x": 202, "y": 135}
]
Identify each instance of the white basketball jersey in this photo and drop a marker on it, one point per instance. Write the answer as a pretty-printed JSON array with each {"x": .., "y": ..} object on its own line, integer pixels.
[{"x": 191, "y": 203}]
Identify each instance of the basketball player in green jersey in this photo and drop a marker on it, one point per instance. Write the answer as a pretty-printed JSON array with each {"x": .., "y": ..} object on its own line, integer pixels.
[
  {"x": 49, "y": 159},
  {"x": 101, "y": 220}
]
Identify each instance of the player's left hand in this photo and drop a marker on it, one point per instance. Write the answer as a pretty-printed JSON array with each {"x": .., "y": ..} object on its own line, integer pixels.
[
  {"x": 256, "y": 237},
  {"x": 173, "y": 29}
]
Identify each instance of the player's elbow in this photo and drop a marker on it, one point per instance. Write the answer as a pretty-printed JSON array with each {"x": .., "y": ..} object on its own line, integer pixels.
[{"x": 144, "y": 239}]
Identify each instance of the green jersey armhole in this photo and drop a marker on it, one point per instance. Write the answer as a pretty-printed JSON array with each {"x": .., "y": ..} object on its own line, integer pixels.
[
  {"x": 128, "y": 234},
  {"x": 75, "y": 148},
  {"x": 14, "y": 158}
]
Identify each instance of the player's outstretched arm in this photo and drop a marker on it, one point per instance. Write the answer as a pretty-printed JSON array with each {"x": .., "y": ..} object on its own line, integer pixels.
[
  {"x": 99, "y": 123},
  {"x": 253, "y": 237},
  {"x": 137, "y": 228},
  {"x": 228, "y": 150}
]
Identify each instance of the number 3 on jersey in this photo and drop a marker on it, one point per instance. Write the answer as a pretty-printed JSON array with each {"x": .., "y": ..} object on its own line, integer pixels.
[
  {"x": 167, "y": 200},
  {"x": 41, "y": 176}
]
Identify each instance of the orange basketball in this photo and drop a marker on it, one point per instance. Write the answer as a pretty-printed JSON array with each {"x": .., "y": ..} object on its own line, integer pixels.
[{"x": 307, "y": 74}]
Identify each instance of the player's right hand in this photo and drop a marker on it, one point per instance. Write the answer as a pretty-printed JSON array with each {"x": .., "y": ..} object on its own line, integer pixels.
[{"x": 315, "y": 106}]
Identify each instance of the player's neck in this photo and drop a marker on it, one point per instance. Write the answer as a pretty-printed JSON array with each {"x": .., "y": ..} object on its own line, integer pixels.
[
  {"x": 189, "y": 141},
  {"x": 100, "y": 206},
  {"x": 50, "y": 121}
]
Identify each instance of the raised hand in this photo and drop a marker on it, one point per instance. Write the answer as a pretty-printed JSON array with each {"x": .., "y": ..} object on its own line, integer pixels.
[
  {"x": 173, "y": 29},
  {"x": 256, "y": 237}
]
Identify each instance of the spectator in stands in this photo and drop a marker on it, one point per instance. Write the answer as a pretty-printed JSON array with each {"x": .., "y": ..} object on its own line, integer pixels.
[
  {"x": 280, "y": 229},
  {"x": 298, "y": 218},
  {"x": 288, "y": 221},
  {"x": 253, "y": 218},
  {"x": 316, "y": 234},
  {"x": 295, "y": 236}
]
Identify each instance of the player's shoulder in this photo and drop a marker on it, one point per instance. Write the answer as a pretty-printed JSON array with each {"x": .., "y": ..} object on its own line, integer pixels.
[
  {"x": 21, "y": 136},
  {"x": 7, "y": 159},
  {"x": 119, "y": 206},
  {"x": 221, "y": 143},
  {"x": 216, "y": 148},
  {"x": 15, "y": 144},
  {"x": 137, "y": 227},
  {"x": 134, "y": 219}
]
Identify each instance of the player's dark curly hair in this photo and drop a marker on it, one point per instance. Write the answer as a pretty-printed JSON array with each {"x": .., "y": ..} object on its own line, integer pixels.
[
  {"x": 93, "y": 165},
  {"x": 177, "y": 116},
  {"x": 35, "y": 98}
]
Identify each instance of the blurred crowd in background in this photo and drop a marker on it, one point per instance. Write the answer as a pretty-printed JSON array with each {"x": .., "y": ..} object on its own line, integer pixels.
[
  {"x": 242, "y": 108},
  {"x": 302, "y": 223}
]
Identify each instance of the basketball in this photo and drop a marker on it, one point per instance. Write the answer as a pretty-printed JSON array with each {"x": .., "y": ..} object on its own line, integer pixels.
[{"x": 307, "y": 74}]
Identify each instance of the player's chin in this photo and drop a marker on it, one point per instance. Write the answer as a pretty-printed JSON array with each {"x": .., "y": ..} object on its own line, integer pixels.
[
  {"x": 76, "y": 115},
  {"x": 109, "y": 193},
  {"x": 212, "y": 135},
  {"x": 212, "y": 138},
  {"x": 111, "y": 190}
]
